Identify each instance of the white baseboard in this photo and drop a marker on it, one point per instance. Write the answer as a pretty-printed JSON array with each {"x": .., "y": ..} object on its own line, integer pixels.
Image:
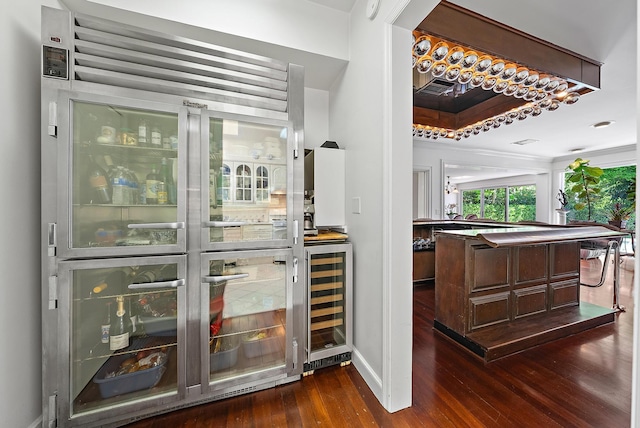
[
  {"x": 37, "y": 423},
  {"x": 370, "y": 377}
]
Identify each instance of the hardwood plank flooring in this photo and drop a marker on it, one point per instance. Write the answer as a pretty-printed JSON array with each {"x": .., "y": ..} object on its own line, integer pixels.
[{"x": 580, "y": 381}]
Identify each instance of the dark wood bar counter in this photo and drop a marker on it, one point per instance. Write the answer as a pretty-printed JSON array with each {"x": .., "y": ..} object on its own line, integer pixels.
[{"x": 504, "y": 288}]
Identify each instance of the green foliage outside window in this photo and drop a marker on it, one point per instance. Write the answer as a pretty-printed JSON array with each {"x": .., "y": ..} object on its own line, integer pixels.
[
  {"x": 522, "y": 203},
  {"x": 615, "y": 185}
]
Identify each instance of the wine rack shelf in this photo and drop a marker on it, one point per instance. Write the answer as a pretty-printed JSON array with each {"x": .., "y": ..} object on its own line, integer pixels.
[{"x": 329, "y": 300}]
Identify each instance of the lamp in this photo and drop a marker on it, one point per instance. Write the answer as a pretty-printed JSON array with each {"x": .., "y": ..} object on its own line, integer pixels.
[
  {"x": 462, "y": 90},
  {"x": 448, "y": 189}
]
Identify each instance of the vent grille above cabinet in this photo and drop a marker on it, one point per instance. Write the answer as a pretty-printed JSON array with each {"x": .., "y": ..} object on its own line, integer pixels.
[{"x": 129, "y": 57}]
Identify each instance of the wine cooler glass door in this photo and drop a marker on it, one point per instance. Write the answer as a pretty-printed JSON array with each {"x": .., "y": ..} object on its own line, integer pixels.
[
  {"x": 124, "y": 323},
  {"x": 247, "y": 296},
  {"x": 329, "y": 278},
  {"x": 123, "y": 178},
  {"x": 246, "y": 174}
]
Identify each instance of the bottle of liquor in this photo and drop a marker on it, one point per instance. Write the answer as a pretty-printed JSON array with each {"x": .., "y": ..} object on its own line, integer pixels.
[
  {"x": 143, "y": 133},
  {"x": 146, "y": 275},
  {"x": 112, "y": 284},
  {"x": 156, "y": 137},
  {"x": 133, "y": 314},
  {"x": 99, "y": 188},
  {"x": 166, "y": 175},
  {"x": 152, "y": 187},
  {"x": 120, "y": 329},
  {"x": 106, "y": 326}
]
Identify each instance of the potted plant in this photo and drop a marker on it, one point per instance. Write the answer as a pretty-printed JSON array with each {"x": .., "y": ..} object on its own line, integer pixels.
[
  {"x": 451, "y": 211},
  {"x": 563, "y": 210},
  {"x": 585, "y": 180},
  {"x": 618, "y": 215},
  {"x": 564, "y": 201}
]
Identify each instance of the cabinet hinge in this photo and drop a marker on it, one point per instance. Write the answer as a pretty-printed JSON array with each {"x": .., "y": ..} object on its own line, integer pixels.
[
  {"x": 53, "y": 292},
  {"x": 51, "y": 240},
  {"x": 295, "y": 353},
  {"x": 52, "y": 126},
  {"x": 296, "y": 143},
  {"x": 295, "y": 232},
  {"x": 295, "y": 270},
  {"x": 52, "y": 417}
]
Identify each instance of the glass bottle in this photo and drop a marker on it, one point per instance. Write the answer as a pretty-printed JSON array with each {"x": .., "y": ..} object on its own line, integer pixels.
[
  {"x": 120, "y": 187},
  {"x": 156, "y": 137},
  {"x": 143, "y": 133},
  {"x": 99, "y": 188},
  {"x": 111, "y": 168},
  {"x": 106, "y": 326},
  {"x": 120, "y": 329},
  {"x": 111, "y": 285},
  {"x": 133, "y": 314},
  {"x": 166, "y": 176},
  {"x": 152, "y": 187}
]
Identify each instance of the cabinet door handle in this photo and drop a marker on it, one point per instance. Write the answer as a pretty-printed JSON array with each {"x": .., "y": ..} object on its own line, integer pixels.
[
  {"x": 219, "y": 278},
  {"x": 224, "y": 223},
  {"x": 160, "y": 284},
  {"x": 178, "y": 225}
]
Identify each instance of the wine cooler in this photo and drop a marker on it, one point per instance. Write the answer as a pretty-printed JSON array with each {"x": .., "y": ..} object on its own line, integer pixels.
[
  {"x": 172, "y": 203},
  {"x": 329, "y": 304}
]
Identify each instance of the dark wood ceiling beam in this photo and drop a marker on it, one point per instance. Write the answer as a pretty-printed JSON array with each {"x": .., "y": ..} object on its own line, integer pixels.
[
  {"x": 477, "y": 113},
  {"x": 462, "y": 26}
]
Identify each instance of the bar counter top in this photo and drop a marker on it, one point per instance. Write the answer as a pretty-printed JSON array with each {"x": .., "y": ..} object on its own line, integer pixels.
[{"x": 522, "y": 235}]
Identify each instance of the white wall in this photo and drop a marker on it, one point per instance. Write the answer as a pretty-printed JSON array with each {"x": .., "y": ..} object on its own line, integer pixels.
[
  {"x": 316, "y": 117},
  {"x": 20, "y": 321},
  {"x": 434, "y": 155},
  {"x": 370, "y": 115}
]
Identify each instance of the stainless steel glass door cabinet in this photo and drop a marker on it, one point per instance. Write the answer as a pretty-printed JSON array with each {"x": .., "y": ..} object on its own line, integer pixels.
[
  {"x": 96, "y": 373},
  {"x": 329, "y": 301},
  {"x": 112, "y": 202},
  {"x": 149, "y": 140},
  {"x": 248, "y": 331}
]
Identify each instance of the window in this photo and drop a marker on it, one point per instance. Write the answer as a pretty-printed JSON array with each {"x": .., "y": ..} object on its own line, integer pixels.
[
  {"x": 243, "y": 183},
  {"x": 492, "y": 203},
  {"x": 225, "y": 185},
  {"x": 522, "y": 203},
  {"x": 262, "y": 184}
]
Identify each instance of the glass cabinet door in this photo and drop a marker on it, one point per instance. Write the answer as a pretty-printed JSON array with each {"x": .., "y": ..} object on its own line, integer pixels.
[
  {"x": 244, "y": 208},
  {"x": 329, "y": 278},
  {"x": 125, "y": 177},
  {"x": 247, "y": 298},
  {"x": 124, "y": 322}
]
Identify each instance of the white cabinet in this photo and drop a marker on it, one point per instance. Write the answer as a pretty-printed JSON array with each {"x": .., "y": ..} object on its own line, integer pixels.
[{"x": 324, "y": 173}]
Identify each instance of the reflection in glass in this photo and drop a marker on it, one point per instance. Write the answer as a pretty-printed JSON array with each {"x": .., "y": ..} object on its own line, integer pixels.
[{"x": 247, "y": 315}]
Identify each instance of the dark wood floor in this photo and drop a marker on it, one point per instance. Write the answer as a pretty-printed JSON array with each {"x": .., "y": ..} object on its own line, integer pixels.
[{"x": 580, "y": 381}]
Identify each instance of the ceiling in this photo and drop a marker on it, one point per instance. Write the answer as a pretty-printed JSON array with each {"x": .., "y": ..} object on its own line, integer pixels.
[
  {"x": 598, "y": 31},
  {"x": 605, "y": 34}
]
